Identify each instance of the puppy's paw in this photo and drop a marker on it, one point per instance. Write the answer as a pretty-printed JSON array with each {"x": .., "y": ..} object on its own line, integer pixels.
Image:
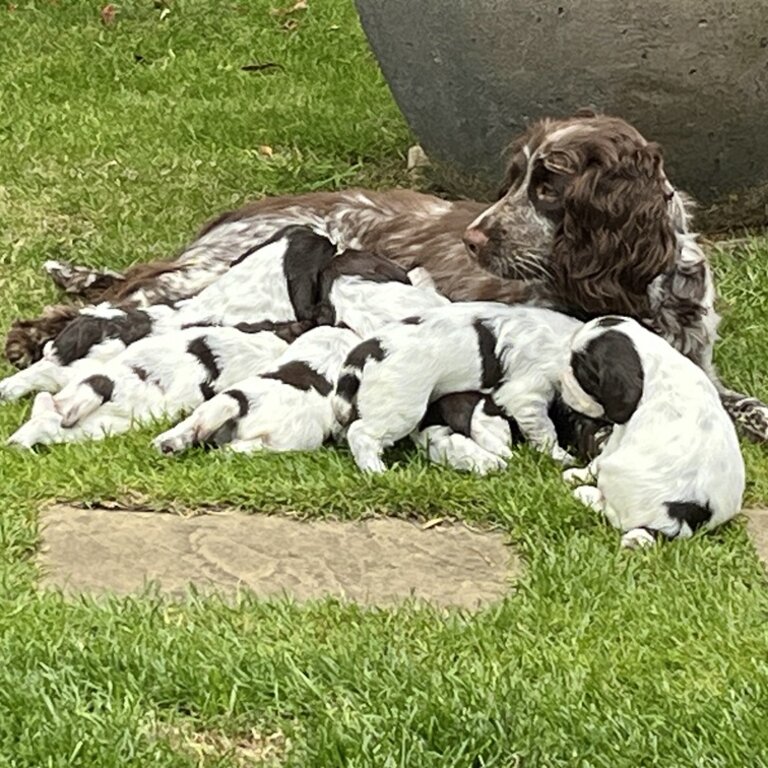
[
  {"x": 562, "y": 456},
  {"x": 637, "y": 538},
  {"x": 576, "y": 476},
  {"x": 10, "y": 391},
  {"x": 590, "y": 496},
  {"x": 168, "y": 443}
]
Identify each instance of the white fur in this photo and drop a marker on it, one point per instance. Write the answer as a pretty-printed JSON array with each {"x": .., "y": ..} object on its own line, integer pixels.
[
  {"x": 679, "y": 445},
  {"x": 172, "y": 386},
  {"x": 253, "y": 290},
  {"x": 365, "y": 306},
  {"x": 425, "y": 361},
  {"x": 50, "y": 375},
  {"x": 280, "y": 417}
]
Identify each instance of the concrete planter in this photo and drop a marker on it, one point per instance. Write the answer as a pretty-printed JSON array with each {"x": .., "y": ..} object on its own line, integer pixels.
[{"x": 691, "y": 74}]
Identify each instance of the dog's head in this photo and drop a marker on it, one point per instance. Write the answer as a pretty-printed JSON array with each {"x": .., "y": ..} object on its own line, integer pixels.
[
  {"x": 604, "y": 378},
  {"x": 586, "y": 213}
]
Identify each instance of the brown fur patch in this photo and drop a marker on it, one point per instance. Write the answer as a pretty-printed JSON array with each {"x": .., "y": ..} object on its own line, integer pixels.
[{"x": 26, "y": 338}]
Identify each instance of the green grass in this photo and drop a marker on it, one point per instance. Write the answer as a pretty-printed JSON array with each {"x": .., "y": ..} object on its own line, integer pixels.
[{"x": 599, "y": 658}]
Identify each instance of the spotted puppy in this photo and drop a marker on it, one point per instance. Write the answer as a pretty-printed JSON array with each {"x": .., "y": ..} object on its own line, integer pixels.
[
  {"x": 514, "y": 353},
  {"x": 286, "y": 284},
  {"x": 287, "y": 408},
  {"x": 159, "y": 376},
  {"x": 468, "y": 432},
  {"x": 94, "y": 335},
  {"x": 672, "y": 463}
]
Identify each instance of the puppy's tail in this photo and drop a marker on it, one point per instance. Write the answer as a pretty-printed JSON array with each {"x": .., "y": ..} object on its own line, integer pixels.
[
  {"x": 344, "y": 399},
  {"x": 91, "y": 393}
]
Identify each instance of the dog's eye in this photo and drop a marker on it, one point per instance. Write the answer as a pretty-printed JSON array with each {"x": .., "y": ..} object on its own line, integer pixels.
[{"x": 545, "y": 191}]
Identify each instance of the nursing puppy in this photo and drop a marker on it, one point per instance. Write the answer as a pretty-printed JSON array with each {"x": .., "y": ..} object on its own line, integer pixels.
[
  {"x": 672, "y": 463},
  {"x": 468, "y": 432},
  {"x": 95, "y": 334},
  {"x": 514, "y": 353},
  {"x": 160, "y": 376},
  {"x": 287, "y": 284},
  {"x": 287, "y": 408}
]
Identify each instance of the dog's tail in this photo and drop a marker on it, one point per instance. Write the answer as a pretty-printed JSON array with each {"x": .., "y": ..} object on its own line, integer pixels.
[
  {"x": 345, "y": 397},
  {"x": 91, "y": 393}
]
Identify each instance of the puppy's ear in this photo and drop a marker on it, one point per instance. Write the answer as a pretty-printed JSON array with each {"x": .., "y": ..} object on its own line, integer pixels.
[{"x": 609, "y": 370}]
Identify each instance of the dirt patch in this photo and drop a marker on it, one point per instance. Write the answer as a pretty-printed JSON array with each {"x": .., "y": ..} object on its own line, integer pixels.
[
  {"x": 209, "y": 747},
  {"x": 757, "y": 527},
  {"x": 378, "y": 561}
]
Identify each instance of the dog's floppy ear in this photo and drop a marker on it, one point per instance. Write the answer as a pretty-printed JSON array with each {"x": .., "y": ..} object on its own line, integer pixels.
[{"x": 609, "y": 370}]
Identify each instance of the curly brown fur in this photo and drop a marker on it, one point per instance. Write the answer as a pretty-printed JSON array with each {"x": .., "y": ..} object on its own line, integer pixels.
[{"x": 26, "y": 338}]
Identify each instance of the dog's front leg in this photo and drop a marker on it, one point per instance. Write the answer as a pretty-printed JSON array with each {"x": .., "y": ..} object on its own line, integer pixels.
[{"x": 42, "y": 376}]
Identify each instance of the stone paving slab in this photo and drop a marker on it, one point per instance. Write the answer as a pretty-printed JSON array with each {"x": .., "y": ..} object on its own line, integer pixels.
[
  {"x": 757, "y": 527},
  {"x": 377, "y": 561}
]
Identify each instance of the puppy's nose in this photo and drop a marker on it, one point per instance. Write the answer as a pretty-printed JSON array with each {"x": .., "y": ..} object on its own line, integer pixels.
[{"x": 475, "y": 240}]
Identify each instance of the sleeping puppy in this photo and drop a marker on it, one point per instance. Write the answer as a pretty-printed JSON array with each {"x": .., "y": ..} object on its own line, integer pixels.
[
  {"x": 287, "y": 285},
  {"x": 287, "y": 408},
  {"x": 365, "y": 292},
  {"x": 672, "y": 463},
  {"x": 468, "y": 432},
  {"x": 514, "y": 353},
  {"x": 95, "y": 334},
  {"x": 159, "y": 376}
]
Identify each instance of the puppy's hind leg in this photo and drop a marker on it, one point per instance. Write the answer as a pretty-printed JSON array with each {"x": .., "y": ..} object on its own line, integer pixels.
[
  {"x": 201, "y": 425},
  {"x": 454, "y": 450},
  {"x": 86, "y": 397},
  {"x": 43, "y": 426},
  {"x": 637, "y": 538},
  {"x": 246, "y": 446},
  {"x": 366, "y": 448}
]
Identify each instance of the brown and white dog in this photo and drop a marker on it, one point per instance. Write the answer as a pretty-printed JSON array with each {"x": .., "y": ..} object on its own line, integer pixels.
[{"x": 587, "y": 222}]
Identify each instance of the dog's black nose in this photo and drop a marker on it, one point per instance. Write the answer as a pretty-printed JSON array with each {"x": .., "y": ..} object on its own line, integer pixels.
[{"x": 475, "y": 240}]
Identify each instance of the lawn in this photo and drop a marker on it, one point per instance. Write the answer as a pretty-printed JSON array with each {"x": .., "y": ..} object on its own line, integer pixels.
[{"x": 116, "y": 142}]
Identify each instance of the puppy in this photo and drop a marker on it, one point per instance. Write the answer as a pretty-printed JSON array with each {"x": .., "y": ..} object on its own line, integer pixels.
[
  {"x": 159, "y": 376},
  {"x": 365, "y": 292},
  {"x": 95, "y": 334},
  {"x": 514, "y": 353},
  {"x": 672, "y": 463},
  {"x": 468, "y": 432},
  {"x": 287, "y": 408}
]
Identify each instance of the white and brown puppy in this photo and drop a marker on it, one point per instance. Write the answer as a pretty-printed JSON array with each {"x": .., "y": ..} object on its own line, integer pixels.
[
  {"x": 158, "y": 376},
  {"x": 514, "y": 353},
  {"x": 286, "y": 284},
  {"x": 467, "y": 431},
  {"x": 287, "y": 408},
  {"x": 95, "y": 334},
  {"x": 672, "y": 463}
]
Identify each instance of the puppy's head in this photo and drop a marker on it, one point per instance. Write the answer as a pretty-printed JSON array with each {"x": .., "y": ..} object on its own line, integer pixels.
[{"x": 605, "y": 376}]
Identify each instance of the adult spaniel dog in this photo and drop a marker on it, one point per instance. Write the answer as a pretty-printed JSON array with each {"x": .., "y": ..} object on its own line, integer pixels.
[{"x": 587, "y": 222}]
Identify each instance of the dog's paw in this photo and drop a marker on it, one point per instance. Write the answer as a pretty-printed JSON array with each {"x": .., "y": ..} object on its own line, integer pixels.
[
  {"x": 637, "y": 538},
  {"x": 562, "y": 456},
  {"x": 371, "y": 465},
  {"x": 576, "y": 476},
  {"x": 590, "y": 497},
  {"x": 167, "y": 443},
  {"x": 10, "y": 391}
]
